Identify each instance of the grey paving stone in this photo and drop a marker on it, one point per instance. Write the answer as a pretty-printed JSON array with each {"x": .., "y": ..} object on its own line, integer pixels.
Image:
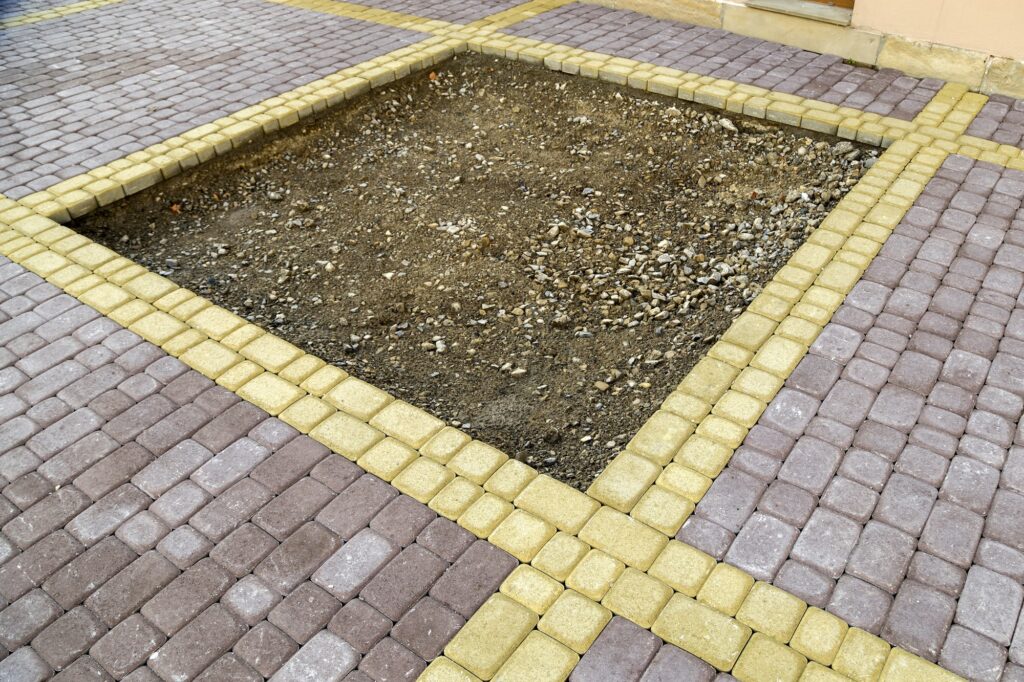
[
  {"x": 241, "y": 551},
  {"x": 919, "y": 619},
  {"x": 762, "y": 546},
  {"x": 325, "y": 657},
  {"x": 972, "y": 655},
  {"x": 69, "y": 637},
  {"x": 672, "y": 663},
  {"x": 403, "y": 581},
  {"x": 132, "y": 587},
  {"x": 827, "y": 541},
  {"x": 350, "y": 568},
  {"x": 25, "y": 665},
  {"x": 882, "y": 556},
  {"x": 990, "y": 604},
  {"x": 293, "y": 507},
  {"x": 808, "y": 583},
  {"x": 250, "y": 600},
  {"x": 905, "y": 503},
  {"x": 731, "y": 499},
  {"x": 355, "y": 506},
  {"x": 186, "y": 596},
  {"x": 427, "y": 627},
  {"x": 26, "y": 617},
  {"x": 76, "y": 580},
  {"x": 860, "y": 604},
  {"x": 304, "y": 612}
]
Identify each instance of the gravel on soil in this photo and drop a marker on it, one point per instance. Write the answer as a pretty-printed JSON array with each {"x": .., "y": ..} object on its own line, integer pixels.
[{"x": 534, "y": 257}]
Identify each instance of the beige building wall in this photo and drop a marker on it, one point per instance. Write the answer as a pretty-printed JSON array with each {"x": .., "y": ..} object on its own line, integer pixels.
[{"x": 995, "y": 27}]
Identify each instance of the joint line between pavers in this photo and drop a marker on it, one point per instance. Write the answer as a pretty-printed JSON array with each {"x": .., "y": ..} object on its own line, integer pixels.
[{"x": 54, "y": 13}]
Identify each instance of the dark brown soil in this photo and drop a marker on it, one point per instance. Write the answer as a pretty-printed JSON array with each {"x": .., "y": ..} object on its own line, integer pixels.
[{"x": 534, "y": 257}]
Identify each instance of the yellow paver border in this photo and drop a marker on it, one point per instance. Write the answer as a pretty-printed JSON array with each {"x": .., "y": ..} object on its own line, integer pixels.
[
  {"x": 583, "y": 557},
  {"x": 53, "y": 13}
]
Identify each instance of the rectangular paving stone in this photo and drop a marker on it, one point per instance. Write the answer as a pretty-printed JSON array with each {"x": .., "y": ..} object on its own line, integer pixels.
[
  {"x": 69, "y": 637},
  {"x": 265, "y": 648},
  {"x": 403, "y": 581},
  {"x": 30, "y": 568},
  {"x": 293, "y": 507},
  {"x": 198, "y": 644},
  {"x": 73, "y": 582},
  {"x": 325, "y": 657},
  {"x": 243, "y": 549},
  {"x": 304, "y": 612},
  {"x": 127, "y": 646},
  {"x": 186, "y": 596},
  {"x": 473, "y": 578},
  {"x": 350, "y": 568},
  {"x": 295, "y": 559},
  {"x": 230, "y": 509},
  {"x": 132, "y": 587}
]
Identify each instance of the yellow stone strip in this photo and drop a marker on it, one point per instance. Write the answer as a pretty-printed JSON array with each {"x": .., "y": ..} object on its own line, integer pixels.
[
  {"x": 366, "y": 13},
  {"x": 53, "y": 13}
]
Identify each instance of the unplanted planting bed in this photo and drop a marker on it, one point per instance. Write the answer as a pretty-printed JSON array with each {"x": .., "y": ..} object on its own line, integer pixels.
[{"x": 535, "y": 257}]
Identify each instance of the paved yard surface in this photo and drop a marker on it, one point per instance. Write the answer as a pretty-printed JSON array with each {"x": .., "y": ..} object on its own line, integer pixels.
[
  {"x": 885, "y": 482},
  {"x": 835, "y": 492}
]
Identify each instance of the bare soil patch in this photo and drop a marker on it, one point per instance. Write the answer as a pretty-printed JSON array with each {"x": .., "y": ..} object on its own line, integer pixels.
[{"x": 534, "y": 257}]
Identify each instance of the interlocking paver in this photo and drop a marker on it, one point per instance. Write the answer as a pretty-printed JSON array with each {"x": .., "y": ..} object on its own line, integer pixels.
[{"x": 911, "y": 528}]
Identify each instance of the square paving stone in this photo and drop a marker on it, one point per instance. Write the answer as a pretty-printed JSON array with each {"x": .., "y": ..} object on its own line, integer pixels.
[
  {"x": 325, "y": 657},
  {"x": 127, "y": 646},
  {"x": 427, "y": 628},
  {"x": 304, "y": 612},
  {"x": 975, "y": 657},
  {"x": 265, "y": 648},
  {"x": 905, "y": 503},
  {"x": 919, "y": 619},
  {"x": 860, "y": 604},
  {"x": 990, "y": 604}
]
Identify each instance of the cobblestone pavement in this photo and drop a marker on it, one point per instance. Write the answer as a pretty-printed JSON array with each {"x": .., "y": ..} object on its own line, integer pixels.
[
  {"x": 155, "y": 523},
  {"x": 718, "y": 53},
  {"x": 92, "y": 87},
  {"x": 1000, "y": 120},
  {"x": 885, "y": 482}
]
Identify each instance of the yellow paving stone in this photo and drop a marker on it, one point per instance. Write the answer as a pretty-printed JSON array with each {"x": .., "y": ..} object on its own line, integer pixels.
[
  {"x": 64, "y": 277},
  {"x": 305, "y": 413},
  {"x": 409, "y": 424},
  {"x": 686, "y": 406},
  {"x": 819, "y": 636},
  {"x": 861, "y": 656},
  {"x": 779, "y": 356},
  {"x": 725, "y": 589},
  {"x": 387, "y": 458},
  {"x": 323, "y": 380},
  {"x": 623, "y": 537},
  {"x": 765, "y": 660},
  {"x": 770, "y": 306},
  {"x": 772, "y": 611},
  {"x": 522, "y": 535},
  {"x": 559, "y": 557},
  {"x": 815, "y": 672},
  {"x": 661, "y": 436},
  {"x": 488, "y": 638},
  {"x": 704, "y": 455},
  {"x": 179, "y": 343},
  {"x": 903, "y": 666},
  {"x": 737, "y": 356},
  {"x": 445, "y": 443},
  {"x": 477, "y": 461},
  {"x": 239, "y": 375},
  {"x": 124, "y": 274},
  {"x": 684, "y": 481},
  {"x": 637, "y": 597},
  {"x": 346, "y": 435},
  {"x": 709, "y": 379},
  {"x": 358, "y": 398},
  {"x": 484, "y": 515},
  {"x": 158, "y": 327},
  {"x": 130, "y": 312},
  {"x": 32, "y": 224},
  {"x": 538, "y": 659},
  {"x": 209, "y": 358},
  {"x": 105, "y": 297},
  {"x": 624, "y": 481},
  {"x": 702, "y": 631},
  {"x": 298, "y": 370},
  {"x": 150, "y": 286},
  {"x": 594, "y": 574},
  {"x": 740, "y": 408},
  {"x": 270, "y": 392},
  {"x": 574, "y": 620},
  {"x": 455, "y": 498},
  {"x": 750, "y": 331},
  {"x": 186, "y": 310},
  {"x": 758, "y": 383},
  {"x": 173, "y": 299},
  {"x": 272, "y": 352},
  {"x": 45, "y": 263},
  {"x": 422, "y": 479},
  {"x": 722, "y": 430},
  {"x": 26, "y": 251},
  {"x": 510, "y": 479},
  {"x": 242, "y": 336},
  {"x": 532, "y": 588},
  {"x": 663, "y": 510}
]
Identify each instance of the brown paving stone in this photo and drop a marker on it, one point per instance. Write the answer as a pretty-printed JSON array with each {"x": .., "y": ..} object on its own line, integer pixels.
[
  {"x": 243, "y": 549},
  {"x": 427, "y": 627},
  {"x": 198, "y": 644},
  {"x": 25, "y": 617},
  {"x": 403, "y": 581},
  {"x": 265, "y": 648},
  {"x": 621, "y": 652},
  {"x": 356, "y": 505},
  {"x": 325, "y": 657},
  {"x": 132, "y": 587},
  {"x": 304, "y": 612},
  {"x": 349, "y": 569},
  {"x": 229, "y": 668},
  {"x": 361, "y": 625},
  {"x": 293, "y": 507},
  {"x": 295, "y": 559},
  {"x": 919, "y": 619},
  {"x": 33, "y": 566},
  {"x": 975, "y": 657},
  {"x": 68, "y": 637},
  {"x": 389, "y": 660},
  {"x": 76, "y": 580},
  {"x": 127, "y": 645},
  {"x": 473, "y": 577},
  {"x": 186, "y": 596}
]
